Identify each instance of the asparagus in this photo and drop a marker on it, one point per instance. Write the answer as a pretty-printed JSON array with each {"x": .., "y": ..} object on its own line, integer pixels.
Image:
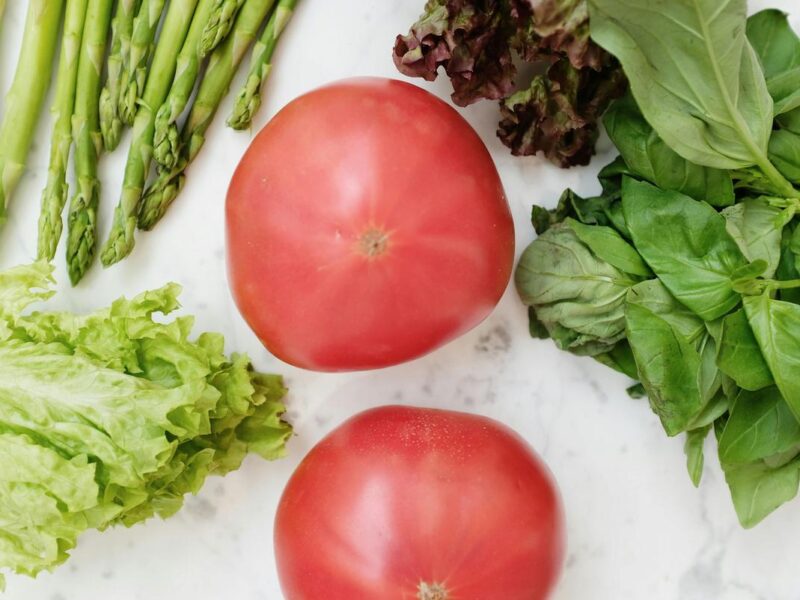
[
  {"x": 54, "y": 196},
  {"x": 82, "y": 219},
  {"x": 122, "y": 29},
  {"x": 176, "y": 26},
  {"x": 165, "y": 141},
  {"x": 248, "y": 101},
  {"x": 134, "y": 79},
  {"x": 219, "y": 25},
  {"x": 27, "y": 94},
  {"x": 214, "y": 86}
]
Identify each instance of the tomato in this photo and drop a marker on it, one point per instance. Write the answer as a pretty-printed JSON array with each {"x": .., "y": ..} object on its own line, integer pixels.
[
  {"x": 408, "y": 503},
  {"x": 366, "y": 226}
]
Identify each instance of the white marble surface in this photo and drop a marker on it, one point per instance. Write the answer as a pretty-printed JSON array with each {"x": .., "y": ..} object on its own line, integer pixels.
[{"x": 637, "y": 528}]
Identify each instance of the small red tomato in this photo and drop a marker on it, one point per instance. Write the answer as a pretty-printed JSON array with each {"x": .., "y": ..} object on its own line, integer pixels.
[
  {"x": 408, "y": 503},
  {"x": 366, "y": 226}
]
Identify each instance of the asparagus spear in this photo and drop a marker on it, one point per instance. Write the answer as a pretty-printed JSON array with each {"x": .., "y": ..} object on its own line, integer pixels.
[
  {"x": 142, "y": 43},
  {"x": 214, "y": 86},
  {"x": 26, "y": 96},
  {"x": 248, "y": 100},
  {"x": 219, "y": 25},
  {"x": 54, "y": 196},
  {"x": 122, "y": 29},
  {"x": 176, "y": 26},
  {"x": 82, "y": 219},
  {"x": 165, "y": 141}
]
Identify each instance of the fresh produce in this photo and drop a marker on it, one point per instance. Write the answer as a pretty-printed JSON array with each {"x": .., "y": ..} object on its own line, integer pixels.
[
  {"x": 176, "y": 25},
  {"x": 165, "y": 143},
  {"x": 402, "y": 259},
  {"x": 222, "y": 67},
  {"x": 683, "y": 273},
  {"x": 27, "y": 94},
  {"x": 248, "y": 100},
  {"x": 54, "y": 197},
  {"x": 419, "y": 503},
  {"x": 82, "y": 217},
  {"x": 143, "y": 35},
  {"x": 477, "y": 42},
  {"x": 118, "y": 59},
  {"x": 113, "y": 417},
  {"x": 220, "y": 24}
]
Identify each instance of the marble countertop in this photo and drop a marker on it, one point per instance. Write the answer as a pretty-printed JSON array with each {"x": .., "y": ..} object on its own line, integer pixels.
[{"x": 637, "y": 528}]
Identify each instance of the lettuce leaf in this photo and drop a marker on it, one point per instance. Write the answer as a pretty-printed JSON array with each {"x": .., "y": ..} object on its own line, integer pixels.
[{"x": 113, "y": 417}]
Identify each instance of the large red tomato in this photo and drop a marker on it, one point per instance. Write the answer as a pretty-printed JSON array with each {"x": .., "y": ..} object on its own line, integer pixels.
[
  {"x": 405, "y": 503},
  {"x": 366, "y": 226}
]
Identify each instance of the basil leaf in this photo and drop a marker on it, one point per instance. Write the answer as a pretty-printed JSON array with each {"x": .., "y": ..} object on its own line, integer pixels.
[
  {"x": 787, "y": 267},
  {"x": 740, "y": 356},
  {"x": 778, "y": 49},
  {"x": 669, "y": 367},
  {"x": 686, "y": 244},
  {"x": 784, "y": 152},
  {"x": 760, "y": 425},
  {"x": 591, "y": 211},
  {"x": 609, "y": 246},
  {"x": 790, "y": 121},
  {"x": 758, "y": 489},
  {"x": 648, "y": 157},
  {"x": 620, "y": 358},
  {"x": 578, "y": 297},
  {"x": 776, "y": 326},
  {"x": 656, "y": 298},
  {"x": 695, "y": 440},
  {"x": 694, "y": 75},
  {"x": 757, "y": 229}
]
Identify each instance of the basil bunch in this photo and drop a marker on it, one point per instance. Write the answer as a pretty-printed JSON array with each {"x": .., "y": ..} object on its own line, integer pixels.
[{"x": 684, "y": 274}]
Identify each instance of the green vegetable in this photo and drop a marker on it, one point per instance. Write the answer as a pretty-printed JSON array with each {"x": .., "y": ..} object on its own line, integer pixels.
[
  {"x": 176, "y": 25},
  {"x": 54, "y": 196},
  {"x": 219, "y": 25},
  {"x": 778, "y": 49},
  {"x": 221, "y": 69},
  {"x": 166, "y": 137},
  {"x": 118, "y": 60},
  {"x": 113, "y": 417},
  {"x": 648, "y": 157},
  {"x": 143, "y": 36},
  {"x": 756, "y": 226},
  {"x": 28, "y": 90},
  {"x": 686, "y": 244},
  {"x": 695, "y": 459},
  {"x": 776, "y": 326},
  {"x": 739, "y": 355},
  {"x": 703, "y": 92},
  {"x": 758, "y": 489},
  {"x": 82, "y": 218},
  {"x": 248, "y": 100}
]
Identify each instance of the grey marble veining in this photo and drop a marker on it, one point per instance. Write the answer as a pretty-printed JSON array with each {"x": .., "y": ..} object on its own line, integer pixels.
[{"x": 637, "y": 528}]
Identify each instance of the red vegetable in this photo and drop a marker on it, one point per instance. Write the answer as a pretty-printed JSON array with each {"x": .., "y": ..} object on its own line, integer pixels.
[
  {"x": 408, "y": 503},
  {"x": 367, "y": 225}
]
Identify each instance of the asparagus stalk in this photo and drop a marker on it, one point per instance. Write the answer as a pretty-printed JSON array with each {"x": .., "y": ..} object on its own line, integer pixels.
[
  {"x": 54, "y": 196},
  {"x": 222, "y": 67},
  {"x": 176, "y": 26},
  {"x": 122, "y": 30},
  {"x": 82, "y": 219},
  {"x": 142, "y": 44},
  {"x": 27, "y": 94},
  {"x": 219, "y": 25},
  {"x": 165, "y": 141},
  {"x": 248, "y": 100}
]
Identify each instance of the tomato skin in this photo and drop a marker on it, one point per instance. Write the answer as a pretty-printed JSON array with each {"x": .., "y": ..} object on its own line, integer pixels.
[
  {"x": 358, "y": 167},
  {"x": 397, "y": 497}
]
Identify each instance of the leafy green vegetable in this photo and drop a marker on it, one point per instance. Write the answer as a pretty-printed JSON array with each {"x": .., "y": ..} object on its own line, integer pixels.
[
  {"x": 695, "y": 459},
  {"x": 784, "y": 151},
  {"x": 760, "y": 426},
  {"x": 648, "y": 157},
  {"x": 609, "y": 246},
  {"x": 703, "y": 92},
  {"x": 756, "y": 226},
  {"x": 686, "y": 244},
  {"x": 778, "y": 49},
  {"x": 775, "y": 326},
  {"x": 758, "y": 489},
  {"x": 739, "y": 354},
  {"x": 112, "y": 417},
  {"x": 578, "y": 297}
]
